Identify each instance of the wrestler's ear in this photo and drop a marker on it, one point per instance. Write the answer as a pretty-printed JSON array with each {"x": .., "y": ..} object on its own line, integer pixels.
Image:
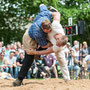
[{"x": 42, "y": 28}]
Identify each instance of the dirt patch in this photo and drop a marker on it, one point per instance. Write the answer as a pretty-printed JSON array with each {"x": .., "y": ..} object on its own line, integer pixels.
[{"x": 49, "y": 84}]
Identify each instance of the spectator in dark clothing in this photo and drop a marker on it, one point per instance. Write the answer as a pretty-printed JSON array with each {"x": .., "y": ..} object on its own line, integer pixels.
[
  {"x": 41, "y": 72},
  {"x": 49, "y": 63},
  {"x": 84, "y": 52},
  {"x": 19, "y": 63}
]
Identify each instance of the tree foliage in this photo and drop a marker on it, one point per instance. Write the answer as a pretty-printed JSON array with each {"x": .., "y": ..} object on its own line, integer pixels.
[
  {"x": 78, "y": 10},
  {"x": 14, "y": 15}
]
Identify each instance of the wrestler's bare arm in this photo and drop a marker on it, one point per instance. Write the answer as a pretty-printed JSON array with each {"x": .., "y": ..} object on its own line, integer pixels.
[
  {"x": 43, "y": 52},
  {"x": 56, "y": 16}
]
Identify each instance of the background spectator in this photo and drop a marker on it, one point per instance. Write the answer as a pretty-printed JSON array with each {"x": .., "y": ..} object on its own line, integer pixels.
[
  {"x": 19, "y": 63},
  {"x": 73, "y": 61},
  {"x": 3, "y": 63},
  {"x": 11, "y": 62},
  {"x": 49, "y": 63}
]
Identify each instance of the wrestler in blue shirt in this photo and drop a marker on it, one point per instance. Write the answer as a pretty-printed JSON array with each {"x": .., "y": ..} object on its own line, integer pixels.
[{"x": 35, "y": 31}]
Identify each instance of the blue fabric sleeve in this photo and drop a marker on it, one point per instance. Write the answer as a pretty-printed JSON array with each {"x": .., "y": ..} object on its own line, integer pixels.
[{"x": 43, "y": 8}]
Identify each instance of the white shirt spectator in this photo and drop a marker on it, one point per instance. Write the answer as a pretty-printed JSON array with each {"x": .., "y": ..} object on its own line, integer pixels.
[{"x": 11, "y": 60}]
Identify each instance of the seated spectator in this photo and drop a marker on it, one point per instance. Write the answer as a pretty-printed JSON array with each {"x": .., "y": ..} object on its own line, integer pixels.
[
  {"x": 59, "y": 72},
  {"x": 87, "y": 59},
  {"x": 41, "y": 68},
  {"x": 3, "y": 63},
  {"x": 19, "y": 63},
  {"x": 49, "y": 62},
  {"x": 11, "y": 62},
  {"x": 4, "y": 75},
  {"x": 34, "y": 69}
]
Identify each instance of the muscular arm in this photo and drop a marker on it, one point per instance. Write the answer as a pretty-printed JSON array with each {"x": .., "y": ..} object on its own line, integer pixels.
[
  {"x": 56, "y": 16},
  {"x": 43, "y": 52}
]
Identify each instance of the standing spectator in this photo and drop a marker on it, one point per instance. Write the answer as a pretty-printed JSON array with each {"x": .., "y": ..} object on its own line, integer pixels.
[
  {"x": 84, "y": 54},
  {"x": 67, "y": 50},
  {"x": 73, "y": 61},
  {"x": 75, "y": 56},
  {"x": 75, "y": 43},
  {"x": 18, "y": 45},
  {"x": 81, "y": 47},
  {"x": 84, "y": 50}
]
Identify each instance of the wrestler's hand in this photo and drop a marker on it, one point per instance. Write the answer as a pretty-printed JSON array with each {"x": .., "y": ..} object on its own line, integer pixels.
[
  {"x": 30, "y": 51},
  {"x": 52, "y": 9}
]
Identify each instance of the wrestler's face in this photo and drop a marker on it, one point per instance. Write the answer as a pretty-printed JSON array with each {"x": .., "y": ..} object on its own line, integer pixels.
[
  {"x": 58, "y": 43},
  {"x": 47, "y": 30},
  {"x": 58, "y": 36},
  {"x": 59, "y": 40}
]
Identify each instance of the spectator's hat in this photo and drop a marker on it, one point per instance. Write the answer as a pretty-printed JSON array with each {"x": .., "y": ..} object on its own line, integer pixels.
[
  {"x": 68, "y": 43},
  {"x": 84, "y": 42}
]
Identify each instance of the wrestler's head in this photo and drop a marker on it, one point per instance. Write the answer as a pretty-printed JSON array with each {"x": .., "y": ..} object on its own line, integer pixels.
[
  {"x": 58, "y": 36},
  {"x": 46, "y": 26},
  {"x": 62, "y": 40}
]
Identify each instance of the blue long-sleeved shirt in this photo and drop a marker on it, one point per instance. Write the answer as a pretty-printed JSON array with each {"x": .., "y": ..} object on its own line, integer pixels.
[{"x": 35, "y": 31}]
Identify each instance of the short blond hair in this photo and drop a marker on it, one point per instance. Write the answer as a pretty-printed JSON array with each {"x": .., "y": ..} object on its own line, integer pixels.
[{"x": 63, "y": 40}]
